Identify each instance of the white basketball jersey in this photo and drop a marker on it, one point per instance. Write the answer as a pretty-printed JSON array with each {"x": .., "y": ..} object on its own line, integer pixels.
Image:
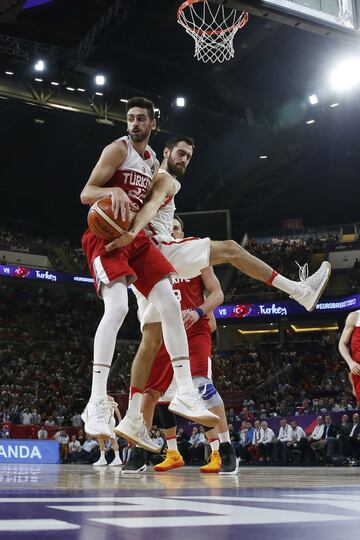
[
  {"x": 358, "y": 318},
  {"x": 161, "y": 225}
]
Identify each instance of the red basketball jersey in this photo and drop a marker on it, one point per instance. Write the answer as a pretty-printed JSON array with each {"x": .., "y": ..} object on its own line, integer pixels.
[
  {"x": 355, "y": 344},
  {"x": 135, "y": 174},
  {"x": 190, "y": 293}
]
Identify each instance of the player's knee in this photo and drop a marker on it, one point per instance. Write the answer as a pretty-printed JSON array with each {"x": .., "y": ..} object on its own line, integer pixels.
[
  {"x": 233, "y": 249},
  {"x": 208, "y": 392}
]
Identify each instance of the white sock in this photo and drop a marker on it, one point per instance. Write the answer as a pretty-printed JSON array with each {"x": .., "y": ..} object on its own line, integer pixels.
[
  {"x": 285, "y": 284},
  {"x": 117, "y": 455},
  {"x": 135, "y": 399},
  {"x": 224, "y": 437},
  {"x": 172, "y": 444},
  {"x": 99, "y": 382},
  {"x": 102, "y": 454},
  {"x": 115, "y": 297},
  {"x": 214, "y": 443},
  {"x": 182, "y": 374}
]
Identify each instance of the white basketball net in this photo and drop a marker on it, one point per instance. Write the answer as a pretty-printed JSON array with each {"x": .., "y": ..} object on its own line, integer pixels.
[{"x": 212, "y": 28}]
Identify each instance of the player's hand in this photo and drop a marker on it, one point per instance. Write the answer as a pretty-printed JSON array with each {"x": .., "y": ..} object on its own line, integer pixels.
[
  {"x": 355, "y": 368},
  {"x": 123, "y": 241},
  {"x": 120, "y": 203},
  {"x": 189, "y": 318}
]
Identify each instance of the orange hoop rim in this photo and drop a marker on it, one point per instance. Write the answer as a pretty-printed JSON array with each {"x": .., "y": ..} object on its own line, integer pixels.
[{"x": 242, "y": 22}]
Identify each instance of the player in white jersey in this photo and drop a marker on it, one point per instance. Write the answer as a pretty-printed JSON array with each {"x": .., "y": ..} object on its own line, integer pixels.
[{"x": 190, "y": 255}]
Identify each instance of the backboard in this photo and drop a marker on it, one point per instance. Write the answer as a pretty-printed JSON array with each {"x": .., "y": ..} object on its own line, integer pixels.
[{"x": 333, "y": 18}]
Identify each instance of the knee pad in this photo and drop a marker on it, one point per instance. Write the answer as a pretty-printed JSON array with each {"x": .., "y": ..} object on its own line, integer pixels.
[
  {"x": 167, "y": 418},
  {"x": 208, "y": 392}
]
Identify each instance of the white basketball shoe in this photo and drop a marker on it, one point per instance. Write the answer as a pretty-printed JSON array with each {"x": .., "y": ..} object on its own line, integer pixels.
[
  {"x": 191, "y": 406},
  {"x": 133, "y": 428},
  {"x": 116, "y": 462},
  {"x": 312, "y": 287},
  {"x": 96, "y": 417},
  {"x": 100, "y": 462}
]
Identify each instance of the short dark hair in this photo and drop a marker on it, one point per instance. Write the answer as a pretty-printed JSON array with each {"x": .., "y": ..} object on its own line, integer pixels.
[
  {"x": 176, "y": 216},
  {"x": 143, "y": 103},
  {"x": 171, "y": 143}
]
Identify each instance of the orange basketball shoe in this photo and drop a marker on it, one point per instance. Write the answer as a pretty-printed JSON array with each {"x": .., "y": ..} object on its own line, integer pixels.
[
  {"x": 214, "y": 465},
  {"x": 173, "y": 460}
]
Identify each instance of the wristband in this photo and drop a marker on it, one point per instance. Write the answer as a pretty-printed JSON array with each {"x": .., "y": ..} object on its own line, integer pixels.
[{"x": 200, "y": 311}]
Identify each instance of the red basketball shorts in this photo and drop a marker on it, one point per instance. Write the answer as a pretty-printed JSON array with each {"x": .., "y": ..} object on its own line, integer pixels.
[
  {"x": 199, "y": 338},
  {"x": 140, "y": 262},
  {"x": 356, "y": 385}
]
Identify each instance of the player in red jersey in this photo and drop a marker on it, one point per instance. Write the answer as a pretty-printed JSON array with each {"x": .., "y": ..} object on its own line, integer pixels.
[
  {"x": 349, "y": 347},
  {"x": 160, "y": 386},
  {"x": 125, "y": 171}
]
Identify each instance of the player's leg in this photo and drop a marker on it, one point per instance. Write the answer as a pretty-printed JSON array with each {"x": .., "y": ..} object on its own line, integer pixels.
[
  {"x": 98, "y": 412},
  {"x": 307, "y": 291},
  {"x": 223, "y": 457},
  {"x": 101, "y": 462},
  {"x": 173, "y": 458},
  {"x": 116, "y": 462},
  {"x": 137, "y": 461},
  {"x": 186, "y": 401}
]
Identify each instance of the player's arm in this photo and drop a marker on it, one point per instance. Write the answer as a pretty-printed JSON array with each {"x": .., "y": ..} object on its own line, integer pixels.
[
  {"x": 344, "y": 343},
  {"x": 110, "y": 160},
  {"x": 214, "y": 298},
  {"x": 163, "y": 187}
]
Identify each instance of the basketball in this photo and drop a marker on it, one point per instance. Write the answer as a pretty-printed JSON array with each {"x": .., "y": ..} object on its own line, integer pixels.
[{"x": 102, "y": 223}]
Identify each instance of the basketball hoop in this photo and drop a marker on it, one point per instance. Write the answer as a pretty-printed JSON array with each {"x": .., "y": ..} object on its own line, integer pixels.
[{"x": 212, "y": 28}]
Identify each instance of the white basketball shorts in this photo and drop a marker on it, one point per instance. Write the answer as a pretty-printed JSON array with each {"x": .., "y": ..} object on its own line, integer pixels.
[{"x": 188, "y": 256}]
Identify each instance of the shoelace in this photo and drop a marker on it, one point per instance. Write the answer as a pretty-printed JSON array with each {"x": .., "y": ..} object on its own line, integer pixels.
[
  {"x": 103, "y": 411},
  {"x": 303, "y": 271}
]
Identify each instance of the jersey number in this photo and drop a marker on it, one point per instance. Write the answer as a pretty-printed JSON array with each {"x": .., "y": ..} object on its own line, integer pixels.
[{"x": 139, "y": 195}]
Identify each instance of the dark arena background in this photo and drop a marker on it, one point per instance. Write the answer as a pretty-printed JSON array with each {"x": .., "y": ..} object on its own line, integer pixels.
[{"x": 276, "y": 168}]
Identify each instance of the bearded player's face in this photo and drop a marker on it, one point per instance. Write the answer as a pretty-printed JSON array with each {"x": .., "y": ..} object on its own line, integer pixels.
[
  {"x": 139, "y": 124},
  {"x": 179, "y": 158}
]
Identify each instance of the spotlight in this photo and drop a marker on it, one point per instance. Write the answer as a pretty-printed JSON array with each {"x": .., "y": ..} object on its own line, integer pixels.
[
  {"x": 70, "y": 88},
  {"x": 100, "y": 80},
  {"x": 9, "y": 73},
  {"x": 313, "y": 99},
  {"x": 334, "y": 105},
  {"x": 99, "y": 94},
  {"x": 54, "y": 83},
  {"x": 346, "y": 75},
  {"x": 40, "y": 65},
  {"x": 38, "y": 80},
  {"x": 180, "y": 102},
  {"x": 263, "y": 157},
  {"x": 310, "y": 121},
  {"x": 123, "y": 100},
  {"x": 80, "y": 89}
]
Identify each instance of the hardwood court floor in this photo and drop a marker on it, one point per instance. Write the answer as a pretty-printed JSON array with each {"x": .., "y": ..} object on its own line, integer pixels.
[{"x": 76, "y": 502}]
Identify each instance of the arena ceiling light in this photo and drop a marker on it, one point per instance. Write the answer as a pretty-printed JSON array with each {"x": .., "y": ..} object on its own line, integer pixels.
[
  {"x": 313, "y": 99},
  {"x": 263, "y": 157},
  {"x": 39, "y": 65},
  {"x": 310, "y": 121},
  {"x": 100, "y": 80},
  {"x": 180, "y": 101},
  {"x": 9, "y": 73},
  {"x": 346, "y": 75},
  {"x": 54, "y": 83},
  {"x": 334, "y": 105}
]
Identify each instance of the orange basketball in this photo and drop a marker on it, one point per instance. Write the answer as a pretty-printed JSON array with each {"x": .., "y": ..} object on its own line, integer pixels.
[{"x": 102, "y": 223}]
